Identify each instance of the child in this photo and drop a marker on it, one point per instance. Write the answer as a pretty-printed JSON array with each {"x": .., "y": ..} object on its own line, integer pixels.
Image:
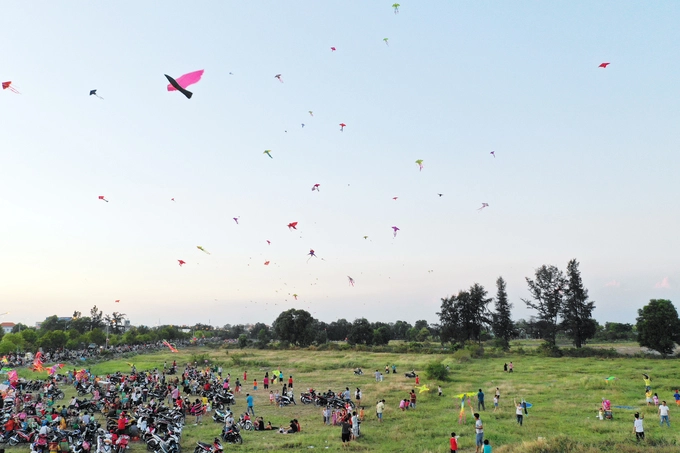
[
  {"x": 361, "y": 414},
  {"x": 271, "y": 397},
  {"x": 439, "y": 389},
  {"x": 677, "y": 397},
  {"x": 487, "y": 446},
  {"x": 453, "y": 442},
  {"x": 495, "y": 403},
  {"x": 334, "y": 418},
  {"x": 600, "y": 414},
  {"x": 638, "y": 429},
  {"x": 648, "y": 394},
  {"x": 254, "y": 384},
  {"x": 656, "y": 400},
  {"x": 417, "y": 380}
]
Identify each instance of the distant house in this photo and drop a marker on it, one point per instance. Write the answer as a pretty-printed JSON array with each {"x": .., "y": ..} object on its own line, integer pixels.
[{"x": 7, "y": 327}]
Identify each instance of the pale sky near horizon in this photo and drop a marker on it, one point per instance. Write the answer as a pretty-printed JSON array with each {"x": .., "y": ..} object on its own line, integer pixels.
[{"x": 586, "y": 158}]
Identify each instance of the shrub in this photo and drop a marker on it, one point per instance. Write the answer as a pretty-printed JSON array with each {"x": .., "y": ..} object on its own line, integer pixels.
[
  {"x": 437, "y": 371},
  {"x": 549, "y": 350},
  {"x": 462, "y": 355},
  {"x": 476, "y": 350}
]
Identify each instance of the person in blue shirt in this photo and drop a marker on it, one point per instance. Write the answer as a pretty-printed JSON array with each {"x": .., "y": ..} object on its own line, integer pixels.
[
  {"x": 677, "y": 397},
  {"x": 249, "y": 401},
  {"x": 480, "y": 400},
  {"x": 487, "y": 446}
]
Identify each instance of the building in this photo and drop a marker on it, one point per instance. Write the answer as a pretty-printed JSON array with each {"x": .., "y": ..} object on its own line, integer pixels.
[{"x": 7, "y": 326}]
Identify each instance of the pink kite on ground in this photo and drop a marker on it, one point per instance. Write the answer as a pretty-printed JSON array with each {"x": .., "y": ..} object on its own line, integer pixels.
[{"x": 187, "y": 79}]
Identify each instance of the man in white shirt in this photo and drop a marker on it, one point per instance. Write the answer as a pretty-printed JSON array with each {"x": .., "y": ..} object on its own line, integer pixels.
[
  {"x": 638, "y": 429},
  {"x": 663, "y": 413}
]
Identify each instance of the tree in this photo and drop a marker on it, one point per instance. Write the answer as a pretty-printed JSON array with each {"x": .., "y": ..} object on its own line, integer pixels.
[
  {"x": 547, "y": 292},
  {"x": 11, "y": 342},
  {"x": 463, "y": 317},
  {"x": 263, "y": 338},
  {"x": 254, "y": 332},
  {"x": 361, "y": 332},
  {"x": 577, "y": 311},
  {"x": 80, "y": 324},
  {"x": 55, "y": 339},
  {"x": 503, "y": 328},
  {"x": 96, "y": 318},
  {"x": 30, "y": 336},
  {"x": 423, "y": 334},
  {"x": 420, "y": 324},
  {"x": 19, "y": 328},
  {"x": 242, "y": 341},
  {"x": 116, "y": 322},
  {"x": 97, "y": 337},
  {"x": 381, "y": 335},
  {"x": 658, "y": 326},
  {"x": 338, "y": 330},
  {"x": 296, "y": 327},
  {"x": 52, "y": 323},
  {"x": 400, "y": 330}
]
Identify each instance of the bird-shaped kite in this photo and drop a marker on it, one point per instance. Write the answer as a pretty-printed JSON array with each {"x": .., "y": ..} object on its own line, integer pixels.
[
  {"x": 395, "y": 229},
  {"x": 101, "y": 197},
  {"x": 484, "y": 205},
  {"x": 604, "y": 65},
  {"x": 235, "y": 220},
  {"x": 94, "y": 93},
  {"x": 311, "y": 113},
  {"x": 268, "y": 152},
  {"x": 278, "y": 76},
  {"x": 493, "y": 153},
  {"x": 184, "y": 81},
  {"x": 315, "y": 187},
  {"x": 295, "y": 296},
  {"x": 311, "y": 255},
  {"x": 351, "y": 280},
  {"x": 202, "y": 249},
  {"x": 420, "y": 164},
  {"x": 396, "y": 7},
  {"x": 266, "y": 263},
  {"x": 181, "y": 262},
  {"x": 8, "y": 86},
  {"x": 333, "y": 49},
  {"x": 292, "y": 225},
  {"x": 342, "y": 126},
  {"x": 386, "y": 41}
]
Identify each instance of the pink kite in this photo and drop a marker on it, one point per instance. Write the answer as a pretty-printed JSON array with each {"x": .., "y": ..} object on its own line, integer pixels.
[
  {"x": 269, "y": 242},
  {"x": 351, "y": 280},
  {"x": 186, "y": 80},
  {"x": 236, "y": 220},
  {"x": 333, "y": 49},
  {"x": 315, "y": 187},
  {"x": 484, "y": 205},
  {"x": 395, "y": 229},
  {"x": 311, "y": 254},
  {"x": 101, "y": 197},
  {"x": 266, "y": 263},
  {"x": 493, "y": 153},
  {"x": 181, "y": 262}
]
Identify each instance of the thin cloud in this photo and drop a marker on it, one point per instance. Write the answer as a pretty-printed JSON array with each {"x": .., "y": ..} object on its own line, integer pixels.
[
  {"x": 612, "y": 284},
  {"x": 664, "y": 283}
]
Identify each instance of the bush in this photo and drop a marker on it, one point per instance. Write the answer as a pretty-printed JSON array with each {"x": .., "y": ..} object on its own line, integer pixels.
[
  {"x": 476, "y": 350},
  {"x": 462, "y": 355},
  {"x": 590, "y": 352},
  {"x": 549, "y": 350},
  {"x": 437, "y": 371}
]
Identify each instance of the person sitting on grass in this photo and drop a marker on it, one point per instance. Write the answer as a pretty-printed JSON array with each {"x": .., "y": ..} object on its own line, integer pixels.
[{"x": 269, "y": 427}]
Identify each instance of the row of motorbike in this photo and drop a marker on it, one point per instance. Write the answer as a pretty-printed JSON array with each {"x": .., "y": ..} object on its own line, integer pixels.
[{"x": 328, "y": 398}]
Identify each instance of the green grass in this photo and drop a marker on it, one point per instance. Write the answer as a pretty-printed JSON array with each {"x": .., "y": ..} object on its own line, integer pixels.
[{"x": 565, "y": 392}]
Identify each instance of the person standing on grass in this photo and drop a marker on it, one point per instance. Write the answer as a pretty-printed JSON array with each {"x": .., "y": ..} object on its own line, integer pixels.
[
  {"x": 453, "y": 443},
  {"x": 345, "y": 436},
  {"x": 377, "y": 376},
  {"x": 379, "y": 408},
  {"x": 266, "y": 381},
  {"x": 249, "y": 401},
  {"x": 412, "y": 397},
  {"x": 439, "y": 389},
  {"x": 519, "y": 412},
  {"x": 663, "y": 413},
  {"x": 479, "y": 433},
  {"x": 290, "y": 382},
  {"x": 480, "y": 400},
  {"x": 511, "y": 367},
  {"x": 638, "y": 429},
  {"x": 677, "y": 397},
  {"x": 495, "y": 403}
]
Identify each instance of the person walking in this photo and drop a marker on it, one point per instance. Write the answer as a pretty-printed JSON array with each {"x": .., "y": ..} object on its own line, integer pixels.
[
  {"x": 663, "y": 413},
  {"x": 453, "y": 443},
  {"x": 519, "y": 412},
  {"x": 379, "y": 408},
  {"x": 480, "y": 400}
]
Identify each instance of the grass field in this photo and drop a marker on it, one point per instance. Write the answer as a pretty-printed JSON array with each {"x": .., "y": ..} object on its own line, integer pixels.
[{"x": 565, "y": 393}]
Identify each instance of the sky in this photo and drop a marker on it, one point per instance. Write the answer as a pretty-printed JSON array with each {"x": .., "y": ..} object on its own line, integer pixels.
[{"x": 585, "y": 162}]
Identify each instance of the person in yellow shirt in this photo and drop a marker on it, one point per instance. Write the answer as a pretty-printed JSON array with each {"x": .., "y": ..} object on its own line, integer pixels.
[{"x": 648, "y": 395}]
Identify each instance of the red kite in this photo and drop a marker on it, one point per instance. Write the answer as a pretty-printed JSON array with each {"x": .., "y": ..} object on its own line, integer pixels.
[
  {"x": 342, "y": 126},
  {"x": 315, "y": 187},
  {"x": 8, "y": 86},
  {"x": 604, "y": 65},
  {"x": 101, "y": 197},
  {"x": 181, "y": 262},
  {"x": 292, "y": 225}
]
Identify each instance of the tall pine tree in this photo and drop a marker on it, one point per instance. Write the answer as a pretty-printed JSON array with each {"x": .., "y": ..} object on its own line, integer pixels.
[
  {"x": 503, "y": 327},
  {"x": 547, "y": 292},
  {"x": 577, "y": 311}
]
